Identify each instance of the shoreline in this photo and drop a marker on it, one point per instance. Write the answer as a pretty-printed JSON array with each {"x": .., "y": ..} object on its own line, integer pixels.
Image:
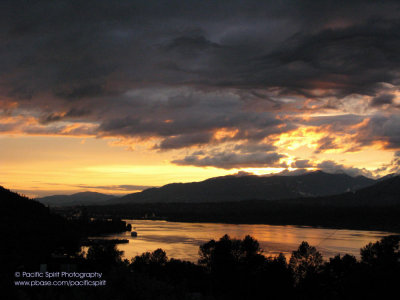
[{"x": 269, "y": 224}]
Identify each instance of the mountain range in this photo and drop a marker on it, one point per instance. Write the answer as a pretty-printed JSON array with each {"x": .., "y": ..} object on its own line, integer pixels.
[
  {"x": 83, "y": 198},
  {"x": 251, "y": 187},
  {"x": 385, "y": 192},
  {"x": 227, "y": 189},
  {"x": 375, "y": 207}
]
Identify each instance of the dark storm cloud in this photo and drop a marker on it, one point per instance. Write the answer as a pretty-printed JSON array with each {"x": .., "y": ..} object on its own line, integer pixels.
[
  {"x": 249, "y": 154},
  {"x": 330, "y": 166},
  {"x": 336, "y": 121},
  {"x": 354, "y": 60},
  {"x": 384, "y": 129},
  {"x": 182, "y": 141},
  {"x": 72, "y": 114},
  {"x": 182, "y": 70},
  {"x": 382, "y": 100},
  {"x": 52, "y": 117},
  {"x": 327, "y": 166},
  {"x": 85, "y": 49},
  {"x": 229, "y": 160},
  {"x": 184, "y": 117},
  {"x": 252, "y": 147},
  {"x": 302, "y": 163},
  {"x": 326, "y": 143}
]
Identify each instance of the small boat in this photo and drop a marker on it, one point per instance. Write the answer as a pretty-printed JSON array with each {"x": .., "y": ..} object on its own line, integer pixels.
[{"x": 133, "y": 233}]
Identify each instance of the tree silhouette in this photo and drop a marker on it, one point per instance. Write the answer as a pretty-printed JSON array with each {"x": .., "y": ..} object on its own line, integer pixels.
[
  {"x": 157, "y": 257},
  {"x": 305, "y": 261},
  {"x": 104, "y": 256},
  {"x": 239, "y": 270},
  {"x": 340, "y": 278},
  {"x": 228, "y": 254},
  {"x": 385, "y": 252},
  {"x": 381, "y": 266}
]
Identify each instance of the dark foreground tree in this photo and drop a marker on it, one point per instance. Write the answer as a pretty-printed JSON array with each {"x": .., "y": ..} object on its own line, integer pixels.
[
  {"x": 384, "y": 253},
  {"x": 381, "y": 266},
  {"x": 239, "y": 270},
  {"x": 305, "y": 262}
]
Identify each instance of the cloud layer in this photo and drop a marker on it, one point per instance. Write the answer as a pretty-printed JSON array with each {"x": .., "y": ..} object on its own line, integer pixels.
[{"x": 207, "y": 76}]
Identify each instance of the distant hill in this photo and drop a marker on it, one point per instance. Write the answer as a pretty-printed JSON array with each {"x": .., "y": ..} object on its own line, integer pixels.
[
  {"x": 84, "y": 198},
  {"x": 251, "y": 187},
  {"x": 385, "y": 192}
]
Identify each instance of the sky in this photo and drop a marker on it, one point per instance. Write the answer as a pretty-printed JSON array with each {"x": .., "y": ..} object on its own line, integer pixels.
[{"x": 119, "y": 96}]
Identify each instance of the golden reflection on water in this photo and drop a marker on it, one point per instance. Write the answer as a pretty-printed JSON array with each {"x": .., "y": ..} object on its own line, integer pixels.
[{"x": 182, "y": 240}]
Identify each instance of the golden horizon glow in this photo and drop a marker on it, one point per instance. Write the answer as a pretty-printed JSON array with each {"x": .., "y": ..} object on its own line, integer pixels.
[{"x": 50, "y": 165}]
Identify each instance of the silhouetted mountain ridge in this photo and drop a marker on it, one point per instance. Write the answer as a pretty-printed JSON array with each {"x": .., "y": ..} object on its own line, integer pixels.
[
  {"x": 385, "y": 192},
  {"x": 82, "y": 198},
  {"x": 375, "y": 207},
  {"x": 238, "y": 188}
]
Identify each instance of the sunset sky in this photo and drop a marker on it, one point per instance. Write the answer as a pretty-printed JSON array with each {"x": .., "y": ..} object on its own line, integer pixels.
[{"x": 118, "y": 96}]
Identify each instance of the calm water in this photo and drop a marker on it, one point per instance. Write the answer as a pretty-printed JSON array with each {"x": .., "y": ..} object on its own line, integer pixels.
[{"x": 182, "y": 240}]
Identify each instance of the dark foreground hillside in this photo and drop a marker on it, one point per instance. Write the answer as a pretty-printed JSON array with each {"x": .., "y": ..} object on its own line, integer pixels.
[{"x": 32, "y": 235}]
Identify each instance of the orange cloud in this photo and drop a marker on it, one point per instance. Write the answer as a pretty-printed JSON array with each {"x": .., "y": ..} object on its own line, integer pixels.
[
  {"x": 29, "y": 125},
  {"x": 224, "y": 133}
]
